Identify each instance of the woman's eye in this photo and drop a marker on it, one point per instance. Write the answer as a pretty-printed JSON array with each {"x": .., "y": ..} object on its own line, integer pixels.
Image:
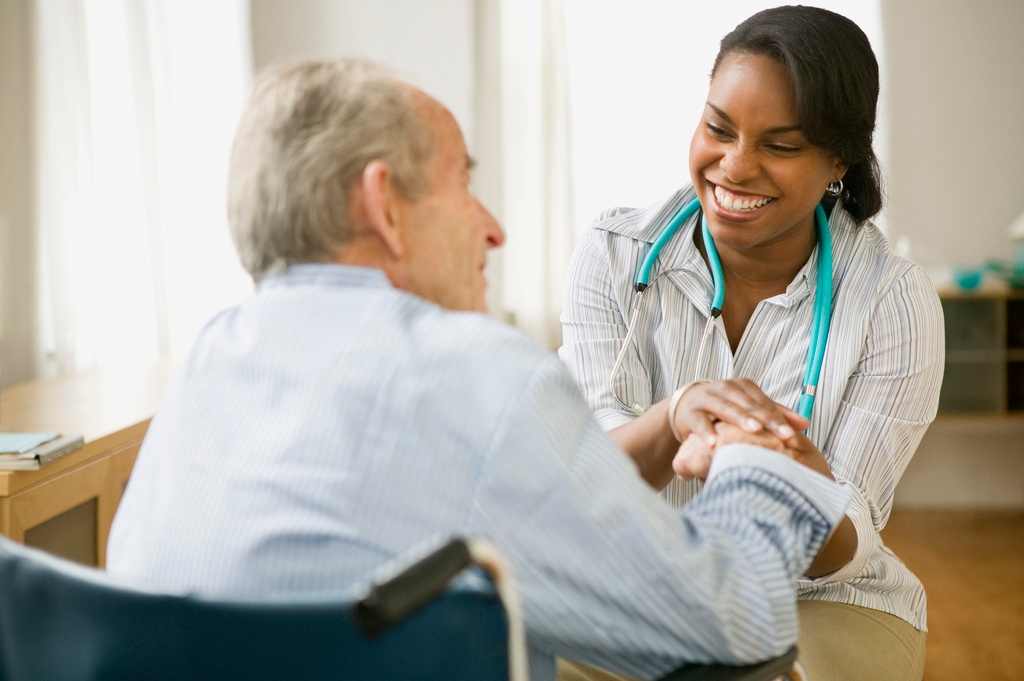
[
  {"x": 784, "y": 148},
  {"x": 716, "y": 131}
]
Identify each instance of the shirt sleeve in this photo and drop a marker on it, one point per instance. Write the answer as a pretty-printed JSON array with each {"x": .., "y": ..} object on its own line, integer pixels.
[
  {"x": 595, "y": 321},
  {"x": 609, "y": 574},
  {"x": 888, "y": 403}
]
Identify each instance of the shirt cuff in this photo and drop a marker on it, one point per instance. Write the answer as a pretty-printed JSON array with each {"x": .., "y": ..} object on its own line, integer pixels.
[
  {"x": 829, "y": 498},
  {"x": 867, "y": 540},
  {"x": 610, "y": 418}
]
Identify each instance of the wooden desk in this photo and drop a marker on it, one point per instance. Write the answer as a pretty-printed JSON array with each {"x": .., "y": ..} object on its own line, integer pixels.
[{"x": 67, "y": 506}]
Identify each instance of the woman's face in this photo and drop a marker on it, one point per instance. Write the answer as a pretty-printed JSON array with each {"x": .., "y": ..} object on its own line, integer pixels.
[{"x": 756, "y": 175}]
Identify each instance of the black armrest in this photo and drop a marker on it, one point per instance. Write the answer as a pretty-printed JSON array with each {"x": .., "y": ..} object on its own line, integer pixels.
[
  {"x": 390, "y": 602},
  {"x": 765, "y": 671}
]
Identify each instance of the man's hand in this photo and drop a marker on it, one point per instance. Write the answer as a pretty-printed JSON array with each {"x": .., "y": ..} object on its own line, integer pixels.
[{"x": 693, "y": 460}]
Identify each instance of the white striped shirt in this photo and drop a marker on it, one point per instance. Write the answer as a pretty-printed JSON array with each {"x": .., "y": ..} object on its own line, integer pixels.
[
  {"x": 879, "y": 385},
  {"x": 331, "y": 423}
]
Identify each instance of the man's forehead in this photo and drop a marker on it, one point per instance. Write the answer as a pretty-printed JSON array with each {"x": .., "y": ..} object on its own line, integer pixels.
[
  {"x": 432, "y": 111},
  {"x": 450, "y": 141}
]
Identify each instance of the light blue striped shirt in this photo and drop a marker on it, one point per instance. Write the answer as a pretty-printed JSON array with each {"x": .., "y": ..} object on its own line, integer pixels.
[
  {"x": 880, "y": 378},
  {"x": 332, "y": 423}
]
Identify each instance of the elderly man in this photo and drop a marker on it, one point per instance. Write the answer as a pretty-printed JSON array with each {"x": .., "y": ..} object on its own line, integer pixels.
[{"x": 356, "y": 406}]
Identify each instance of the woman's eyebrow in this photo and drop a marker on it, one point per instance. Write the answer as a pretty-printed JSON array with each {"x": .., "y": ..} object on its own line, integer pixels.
[{"x": 778, "y": 130}]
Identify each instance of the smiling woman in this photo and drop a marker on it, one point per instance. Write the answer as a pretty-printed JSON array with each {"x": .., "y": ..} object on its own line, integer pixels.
[{"x": 768, "y": 290}]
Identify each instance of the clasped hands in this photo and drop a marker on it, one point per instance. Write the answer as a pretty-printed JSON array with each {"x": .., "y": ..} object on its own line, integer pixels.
[{"x": 710, "y": 414}]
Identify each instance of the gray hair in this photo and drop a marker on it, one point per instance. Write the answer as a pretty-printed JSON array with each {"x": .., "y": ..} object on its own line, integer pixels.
[{"x": 309, "y": 130}]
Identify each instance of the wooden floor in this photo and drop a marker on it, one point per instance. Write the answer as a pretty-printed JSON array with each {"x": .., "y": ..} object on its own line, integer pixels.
[{"x": 972, "y": 567}]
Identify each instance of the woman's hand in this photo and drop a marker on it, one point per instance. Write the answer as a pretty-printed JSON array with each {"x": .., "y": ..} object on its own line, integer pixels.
[
  {"x": 653, "y": 439},
  {"x": 739, "y": 402}
]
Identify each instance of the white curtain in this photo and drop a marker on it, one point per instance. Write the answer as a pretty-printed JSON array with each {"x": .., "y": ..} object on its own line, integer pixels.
[
  {"x": 137, "y": 102},
  {"x": 535, "y": 204}
]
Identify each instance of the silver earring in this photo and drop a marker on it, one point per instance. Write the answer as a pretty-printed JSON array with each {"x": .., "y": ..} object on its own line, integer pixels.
[{"x": 834, "y": 188}]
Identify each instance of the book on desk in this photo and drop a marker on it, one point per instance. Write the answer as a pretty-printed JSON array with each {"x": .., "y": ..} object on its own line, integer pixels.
[{"x": 30, "y": 451}]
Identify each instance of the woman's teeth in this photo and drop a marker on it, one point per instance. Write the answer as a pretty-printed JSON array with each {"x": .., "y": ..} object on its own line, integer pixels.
[{"x": 729, "y": 202}]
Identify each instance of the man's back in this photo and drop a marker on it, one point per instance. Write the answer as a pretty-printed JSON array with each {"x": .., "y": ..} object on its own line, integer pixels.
[{"x": 320, "y": 429}]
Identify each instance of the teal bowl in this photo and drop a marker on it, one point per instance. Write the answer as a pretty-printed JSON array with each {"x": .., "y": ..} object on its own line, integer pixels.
[{"x": 968, "y": 278}]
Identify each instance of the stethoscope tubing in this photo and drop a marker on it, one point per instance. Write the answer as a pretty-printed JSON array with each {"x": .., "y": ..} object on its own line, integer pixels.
[
  {"x": 822, "y": 315},
  {"x": 822, "y": 301},
  {"x": 643, "y": 276}
]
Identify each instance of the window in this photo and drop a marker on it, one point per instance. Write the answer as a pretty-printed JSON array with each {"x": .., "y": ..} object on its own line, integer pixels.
[{"x": 137, "y": 105}]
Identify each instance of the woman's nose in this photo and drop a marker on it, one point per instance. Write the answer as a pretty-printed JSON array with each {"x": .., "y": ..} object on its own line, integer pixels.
[{"x": 739, "y": 163}]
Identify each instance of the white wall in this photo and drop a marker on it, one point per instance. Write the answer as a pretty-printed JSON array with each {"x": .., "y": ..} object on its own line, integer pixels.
[
  {"x": 429, "y": 42},
  {"x": 956, "y": 182},
  {"x": 966, "y": 462},
  {"x": 956, "y": 122},
  {"x": 17, "y": 251}
]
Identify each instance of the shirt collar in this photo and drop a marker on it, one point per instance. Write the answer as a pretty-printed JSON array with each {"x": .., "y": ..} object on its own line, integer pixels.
[
  {"x": 647, "y": 224},
  {"x": 327, "y": 274},
  {"x": 680, "y": 259}
]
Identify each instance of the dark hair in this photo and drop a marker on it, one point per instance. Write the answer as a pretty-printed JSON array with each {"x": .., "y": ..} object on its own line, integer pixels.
[{"x": 835, "y": 82}]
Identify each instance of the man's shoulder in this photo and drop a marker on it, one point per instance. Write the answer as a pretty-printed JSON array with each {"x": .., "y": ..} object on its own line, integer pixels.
[
  {"x": 474, "y": 336},
  {"x": 484, "y": 366}
]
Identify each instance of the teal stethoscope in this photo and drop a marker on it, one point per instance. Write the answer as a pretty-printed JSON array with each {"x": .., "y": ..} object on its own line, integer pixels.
[{"x": 822, "y": 302}]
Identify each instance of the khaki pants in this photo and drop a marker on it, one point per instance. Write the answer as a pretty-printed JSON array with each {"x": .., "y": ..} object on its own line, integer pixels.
[
  {"x": 838, "y": 642},
  {"x": 843, "y": 642}
]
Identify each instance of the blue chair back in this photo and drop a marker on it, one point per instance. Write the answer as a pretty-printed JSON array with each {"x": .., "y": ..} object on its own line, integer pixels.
[{"x": 64, "y": 622}]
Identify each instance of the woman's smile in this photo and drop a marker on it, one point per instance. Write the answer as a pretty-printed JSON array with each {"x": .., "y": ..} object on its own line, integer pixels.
[{"x": 739, "y": 202}]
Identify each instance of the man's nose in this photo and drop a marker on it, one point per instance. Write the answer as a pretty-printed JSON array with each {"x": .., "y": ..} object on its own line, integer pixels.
[{"x": 492, "y": 229}]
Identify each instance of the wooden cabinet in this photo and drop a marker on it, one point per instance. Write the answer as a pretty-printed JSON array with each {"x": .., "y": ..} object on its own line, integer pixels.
[
  {"x": 67, "y": 506},
  {"x": 984, "y": 354}
]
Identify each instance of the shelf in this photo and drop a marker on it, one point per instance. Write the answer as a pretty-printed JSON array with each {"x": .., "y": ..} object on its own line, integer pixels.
[
  {"x": 984, "y": 371},
  {"x": 974, "y": 324},
  {"x": 984, "y": 423},
  {"x": 997, "y": 356},
  {"x": 1015, "y": 325},
  {"x": 1015, "y": 387}
]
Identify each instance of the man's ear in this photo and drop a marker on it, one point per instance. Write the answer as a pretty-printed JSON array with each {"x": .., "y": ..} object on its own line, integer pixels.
[{"x": 382, "y": 206}]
